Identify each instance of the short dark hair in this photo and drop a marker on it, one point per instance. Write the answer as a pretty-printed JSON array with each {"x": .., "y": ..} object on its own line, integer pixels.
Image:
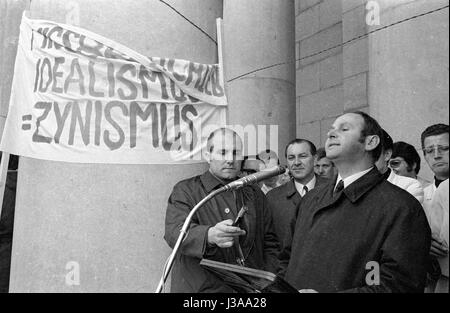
[
  {"x": 408, "y": 153},
  {"x": 312, "y": 147},
  {"x": 433, "y": 130},
  {"x": 371, "y": 128},
  {"x": 321, "y": 153},
  {"x": 222, "y": 130},
  {"x": 387, "y": 142}
]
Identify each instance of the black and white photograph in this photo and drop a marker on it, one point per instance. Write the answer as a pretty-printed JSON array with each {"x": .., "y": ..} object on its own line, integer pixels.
[{"x": 213, "y": 149}]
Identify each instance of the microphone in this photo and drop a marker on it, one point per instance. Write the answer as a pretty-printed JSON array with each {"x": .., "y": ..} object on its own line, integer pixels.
[{"x": 254, "y": 178}]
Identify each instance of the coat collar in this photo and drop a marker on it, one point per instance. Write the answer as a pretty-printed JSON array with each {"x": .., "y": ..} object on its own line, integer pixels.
[
  {"x": 290, "y": 189},
  {"x": 322, "y": 181},
  {"x": 363, "y": 184},
  {"x": 353, "y": 192},
  {"x": 210, "y": 182}
]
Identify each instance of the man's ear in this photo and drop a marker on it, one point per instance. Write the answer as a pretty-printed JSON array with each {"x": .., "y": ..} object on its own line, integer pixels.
[
  {"x": 372, "y": 142},
  {"x": 207, "y": 156}
]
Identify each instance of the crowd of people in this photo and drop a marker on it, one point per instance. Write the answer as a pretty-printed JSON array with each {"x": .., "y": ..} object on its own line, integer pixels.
[{"x": 353, "y": 216}]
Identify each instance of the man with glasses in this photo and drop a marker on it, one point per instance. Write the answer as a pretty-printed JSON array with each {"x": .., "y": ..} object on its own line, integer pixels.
[
  {"x": 405, "y": 161},
  {"x": 435, "y": 145},
  {"x": 411, "y": 185}
]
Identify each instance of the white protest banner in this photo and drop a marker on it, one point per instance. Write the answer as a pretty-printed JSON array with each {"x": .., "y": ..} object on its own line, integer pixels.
[{"x": 80, "y": 97}]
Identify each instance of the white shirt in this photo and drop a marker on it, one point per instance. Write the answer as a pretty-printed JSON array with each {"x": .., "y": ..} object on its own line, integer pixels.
[
  {"x": 310, "y": 185},
  {"x": 428, "y": 193},
  {"x": 411, "y": 185},
  {"x": 439, "y": 220},
  {"x": 352, "y": 178}
]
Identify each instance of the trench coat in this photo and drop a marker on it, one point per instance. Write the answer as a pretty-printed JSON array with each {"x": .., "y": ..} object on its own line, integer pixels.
[
  {"x": 260, "y": 245},
  {"x": 283, "y": 202},
  {"x": 370, "y": 237}
]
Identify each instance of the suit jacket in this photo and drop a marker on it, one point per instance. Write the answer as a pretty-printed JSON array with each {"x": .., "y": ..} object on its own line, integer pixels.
[
  {"x": 283, "y": 202},
  {"x": 411, "y": 185},
  {"x": 260, "y": 245},
  {"x": 344, "y": 242}
]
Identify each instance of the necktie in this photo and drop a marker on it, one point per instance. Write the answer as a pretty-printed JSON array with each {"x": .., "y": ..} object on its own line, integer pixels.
[
  {"x": 305, "y": 190},
  {"x": 339, "y": 187}
]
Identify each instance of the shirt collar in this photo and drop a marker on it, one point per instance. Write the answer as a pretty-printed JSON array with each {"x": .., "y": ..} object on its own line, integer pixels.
[
  {"x": 310, "y": 185},
  {"x": 352, "y": 178},
  {"x": 366, "y": 181}
]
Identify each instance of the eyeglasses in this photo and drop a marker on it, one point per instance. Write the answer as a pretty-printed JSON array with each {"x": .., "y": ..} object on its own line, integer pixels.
[
  {"x": 395, "y": 163},
  {"x": 440, "y": 149}
]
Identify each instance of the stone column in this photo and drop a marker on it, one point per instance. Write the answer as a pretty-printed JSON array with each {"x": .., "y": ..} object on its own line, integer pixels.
[
  {"x": 108, "y": 220},
  {"x": 257, "y": 34},
  {"x": 319, "y": 85},
  {"x": 10, "y": 13}
]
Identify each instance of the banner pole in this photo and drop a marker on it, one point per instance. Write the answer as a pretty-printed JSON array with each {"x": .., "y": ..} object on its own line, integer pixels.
[
  {"x": 3, "y": 173},
  {"x": 220, "y": 50}
]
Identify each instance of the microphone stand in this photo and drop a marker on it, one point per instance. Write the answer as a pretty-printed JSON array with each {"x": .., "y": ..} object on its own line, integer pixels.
[
  {"x": 182, "y": 236},
  {"x": 253, "y": 178}
]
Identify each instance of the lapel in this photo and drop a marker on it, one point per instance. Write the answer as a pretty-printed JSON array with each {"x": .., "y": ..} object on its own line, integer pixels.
[
  {"x": 353, "y": 192},
  {"x": 292, "y": 193},
  {"x": 322, "y": 181},
  {"x": 209, "y": 181}
]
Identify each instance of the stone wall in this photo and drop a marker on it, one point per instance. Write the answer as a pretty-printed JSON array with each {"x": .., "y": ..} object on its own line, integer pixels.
[{"x": 398, "y": 74}]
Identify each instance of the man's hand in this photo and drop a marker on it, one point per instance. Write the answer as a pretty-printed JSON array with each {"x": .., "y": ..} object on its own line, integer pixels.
[
  {"x": 438, "y": 248},
  {"x": 223, "y": 234}
]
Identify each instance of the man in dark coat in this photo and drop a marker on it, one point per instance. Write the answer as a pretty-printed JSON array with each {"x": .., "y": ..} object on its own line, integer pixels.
[
  {"x": 211, "y": 234},
  {"x": 361, "y": 233},
  {"x": 283, "y": 200}
]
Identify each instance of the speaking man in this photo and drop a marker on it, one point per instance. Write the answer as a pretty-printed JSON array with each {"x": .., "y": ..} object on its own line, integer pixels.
[
  {"x": 360, "y": 233},
  {"x": 211, "y": 234},
  {"x": 283, "y": 200}
]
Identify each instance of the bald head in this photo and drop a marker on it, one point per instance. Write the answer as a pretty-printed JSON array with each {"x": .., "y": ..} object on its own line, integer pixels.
[{"x": 224, "y": 153}]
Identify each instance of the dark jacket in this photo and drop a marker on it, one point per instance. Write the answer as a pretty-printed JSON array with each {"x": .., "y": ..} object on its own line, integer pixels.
[
  {"x": 283, "y": 202},
  {"x": 259, "y": 245},
  {"x": 335, "y": 240},
  {"x": 6, "y": 229}
]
